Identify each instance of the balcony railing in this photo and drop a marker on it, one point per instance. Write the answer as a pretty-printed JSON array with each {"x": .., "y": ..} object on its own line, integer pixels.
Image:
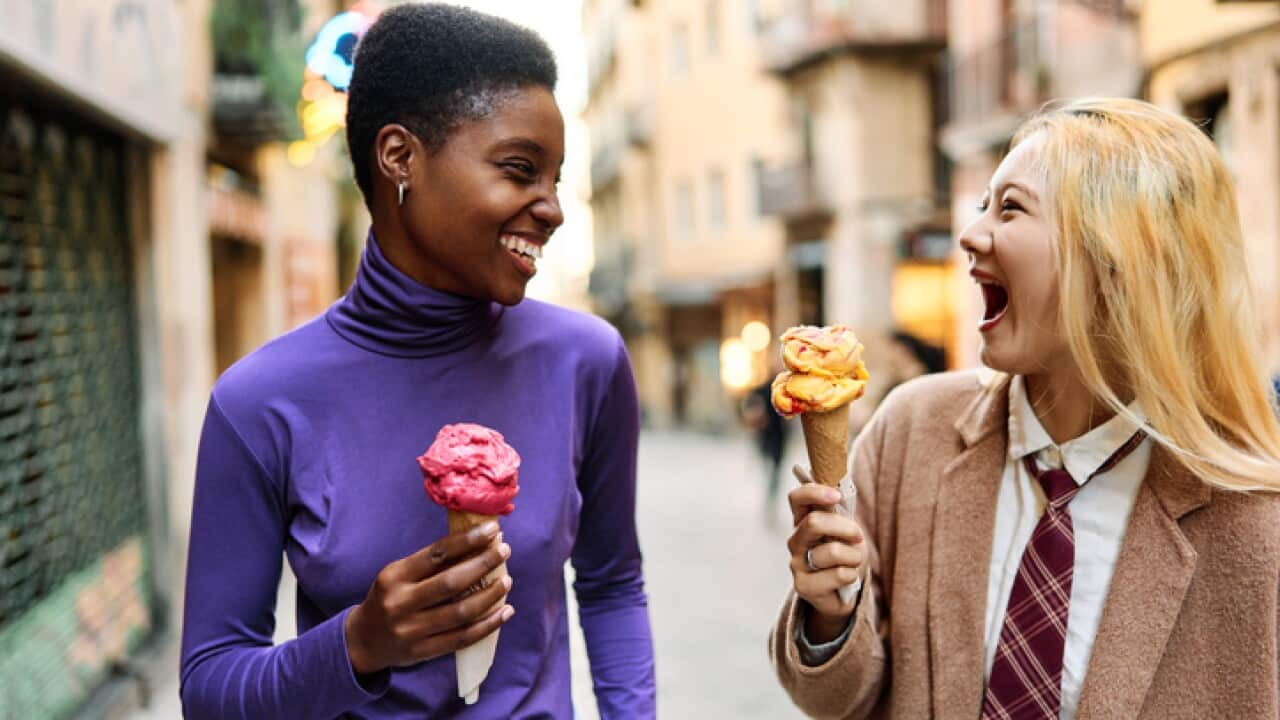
[
  {"x": 792, "y": 192},
  {"x": 807, "y": 31},
  {"x": 1009, "y": 76},
  {"x": 243, "y": 113}
]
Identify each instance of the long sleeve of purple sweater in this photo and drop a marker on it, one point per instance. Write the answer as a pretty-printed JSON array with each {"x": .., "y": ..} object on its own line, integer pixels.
[
  {"x": 237, "y": 531},
  {"x": 609, "y": 582},
  {"x": 307, "y": 454}
]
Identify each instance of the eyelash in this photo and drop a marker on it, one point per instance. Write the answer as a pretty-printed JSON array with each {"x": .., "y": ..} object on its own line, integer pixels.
[
  {"x": 1008, "y": 206},
  {"x": 525, "y": 170}
]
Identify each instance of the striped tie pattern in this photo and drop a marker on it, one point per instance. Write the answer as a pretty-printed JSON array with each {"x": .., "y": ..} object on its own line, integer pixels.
[{"x": 1026, "y": 677}]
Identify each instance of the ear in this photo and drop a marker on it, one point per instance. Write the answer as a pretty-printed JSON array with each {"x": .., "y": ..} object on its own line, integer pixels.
[{"x": 395, "y": 150}]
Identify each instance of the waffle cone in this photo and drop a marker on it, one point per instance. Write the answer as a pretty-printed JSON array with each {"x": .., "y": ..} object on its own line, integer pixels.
[
  {"x": 826, "y": 437},
  {"x": 474, "y": 661},
  {"x": 460, "y": 521}
]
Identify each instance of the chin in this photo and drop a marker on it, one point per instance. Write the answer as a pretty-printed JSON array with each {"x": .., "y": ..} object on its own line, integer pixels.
[
  {"x": 509, "y": 297},
  {"x": 994, "y": 358},
  {"x": 1021, "y": 361}
]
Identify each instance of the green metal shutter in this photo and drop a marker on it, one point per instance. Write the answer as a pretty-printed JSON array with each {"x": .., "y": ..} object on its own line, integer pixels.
[{"x": 75, "y": 593}]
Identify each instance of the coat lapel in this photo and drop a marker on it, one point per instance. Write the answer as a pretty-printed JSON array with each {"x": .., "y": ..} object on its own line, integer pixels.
[
  {"x": 960, "y": 554},
  {"x": 1152, "y": 574}
]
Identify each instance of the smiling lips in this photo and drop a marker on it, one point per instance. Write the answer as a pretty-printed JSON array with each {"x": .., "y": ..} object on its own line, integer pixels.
[{"x": 526, "y": 252}]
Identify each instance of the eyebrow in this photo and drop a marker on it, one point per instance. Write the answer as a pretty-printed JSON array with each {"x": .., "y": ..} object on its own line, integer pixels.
[
  {"x": 522, "y": 143},
  {"x": 1016, "y": 186},
  {"x": 526, "y": 144}
]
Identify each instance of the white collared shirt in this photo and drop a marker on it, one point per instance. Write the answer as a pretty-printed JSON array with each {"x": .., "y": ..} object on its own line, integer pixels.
[{"x": 1099, "y": 515}]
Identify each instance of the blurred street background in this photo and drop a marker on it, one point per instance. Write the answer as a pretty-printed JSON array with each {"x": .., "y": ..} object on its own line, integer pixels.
[{"x": 175, "y": 191}]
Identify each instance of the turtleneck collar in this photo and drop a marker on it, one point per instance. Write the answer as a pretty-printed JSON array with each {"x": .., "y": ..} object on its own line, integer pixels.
[{"x": 388, "y": 312}]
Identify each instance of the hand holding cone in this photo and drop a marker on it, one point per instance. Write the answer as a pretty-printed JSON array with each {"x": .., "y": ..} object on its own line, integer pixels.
[{"x": 472, "y": 472}]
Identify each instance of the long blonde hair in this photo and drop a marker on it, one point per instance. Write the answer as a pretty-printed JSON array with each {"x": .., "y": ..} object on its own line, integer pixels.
[{"x": 1154, "y": 289}]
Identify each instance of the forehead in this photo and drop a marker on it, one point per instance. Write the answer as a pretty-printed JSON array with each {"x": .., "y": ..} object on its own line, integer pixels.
[
  {"x": 1022, "y": 165},
  {"x": 525, "y": 113}
]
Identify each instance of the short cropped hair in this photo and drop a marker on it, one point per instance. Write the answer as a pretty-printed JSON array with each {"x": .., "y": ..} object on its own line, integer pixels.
[{"x": 432, "y": 67}]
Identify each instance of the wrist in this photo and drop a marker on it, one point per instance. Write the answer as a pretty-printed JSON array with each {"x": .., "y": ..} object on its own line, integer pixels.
[
  {"x": 361, "y": 663},
  {"x": 822, "y": 628}
]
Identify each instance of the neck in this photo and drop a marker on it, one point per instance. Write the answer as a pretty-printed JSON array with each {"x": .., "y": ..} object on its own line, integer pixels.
[
  {"x": 394, "y": 243},
  {"x": 386, "y": 310},
  {"x": 405, "y": 255},
  {"x": 1064, "y": 405}
]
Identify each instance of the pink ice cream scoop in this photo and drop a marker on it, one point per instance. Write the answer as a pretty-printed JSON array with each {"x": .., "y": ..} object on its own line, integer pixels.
[{"x": 471, "y": 468}]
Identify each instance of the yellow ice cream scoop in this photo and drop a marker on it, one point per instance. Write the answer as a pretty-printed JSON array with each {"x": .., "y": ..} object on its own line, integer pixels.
[
  {"x": 796, "y": 393},
  {"x": 827, "y": 351}
]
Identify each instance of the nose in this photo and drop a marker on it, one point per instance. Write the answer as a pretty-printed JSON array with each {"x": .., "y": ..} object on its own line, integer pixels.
[
  {"x": 975, "y": 239},
  {"x": 546, "y": 210}
]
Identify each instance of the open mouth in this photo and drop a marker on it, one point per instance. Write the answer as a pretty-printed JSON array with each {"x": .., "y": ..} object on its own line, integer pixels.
[
  {"x": 526, "y": 253},
  {"x": 995, "y": 299}
]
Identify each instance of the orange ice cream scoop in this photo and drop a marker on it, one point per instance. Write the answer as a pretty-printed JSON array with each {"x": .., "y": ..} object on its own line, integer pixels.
[
  {"x": 796, "y": 393},
  {"x": 827, "y": 351},
  {"x": 471, "y": 468}
]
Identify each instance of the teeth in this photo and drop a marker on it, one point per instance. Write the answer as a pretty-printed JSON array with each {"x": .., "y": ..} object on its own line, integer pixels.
[{"x": 522, "y": 246}]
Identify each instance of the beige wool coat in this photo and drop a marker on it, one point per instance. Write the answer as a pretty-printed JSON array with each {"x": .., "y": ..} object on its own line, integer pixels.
[{"x": 1189, "y": 629}]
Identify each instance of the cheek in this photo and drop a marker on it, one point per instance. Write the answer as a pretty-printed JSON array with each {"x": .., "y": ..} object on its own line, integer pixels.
[
  {"x": 1031, "y": 274},
  {"x": 1040, "y": 305},
  {"x": 488, "y": 211}
]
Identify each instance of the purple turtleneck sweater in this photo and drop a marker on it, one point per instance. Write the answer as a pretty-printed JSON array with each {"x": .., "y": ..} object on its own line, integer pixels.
[{"x": 308, "y": 452}]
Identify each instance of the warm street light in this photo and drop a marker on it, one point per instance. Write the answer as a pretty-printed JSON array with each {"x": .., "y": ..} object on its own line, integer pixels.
[
  {"x": 757, "y": 336},
  {"x": 735, "y": 364}
]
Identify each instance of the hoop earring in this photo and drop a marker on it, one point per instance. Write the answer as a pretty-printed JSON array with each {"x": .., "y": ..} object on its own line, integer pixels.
[{"x": 400, "y": 192}]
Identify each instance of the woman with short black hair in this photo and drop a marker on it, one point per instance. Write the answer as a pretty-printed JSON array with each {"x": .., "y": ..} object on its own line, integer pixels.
[{"x": 309, "y": 444}]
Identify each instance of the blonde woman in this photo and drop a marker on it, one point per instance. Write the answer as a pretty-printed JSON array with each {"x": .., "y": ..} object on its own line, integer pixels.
[{"x": 1095, "y": 532}]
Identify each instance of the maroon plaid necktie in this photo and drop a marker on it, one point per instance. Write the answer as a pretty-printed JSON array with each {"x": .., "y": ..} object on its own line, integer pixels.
[{"x": 1026, "y": 677}]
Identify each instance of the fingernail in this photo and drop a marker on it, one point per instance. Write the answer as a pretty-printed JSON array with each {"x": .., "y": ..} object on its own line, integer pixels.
[
  {"x": 488, "y": 530},
  {"x": 507, "y": 612},
  {"x": 504, "y": 550},
  {"x": 506, "y": 582},
  {"x": 833, "y": 496}
]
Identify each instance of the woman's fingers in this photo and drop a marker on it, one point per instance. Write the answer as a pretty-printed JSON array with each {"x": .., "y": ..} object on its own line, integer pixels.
[
  {"x": 445, "y": 552},
  {"x": 818, "y": 525},
  {"x": 836, "y": 554},
  {"x": 460, "y": 614},
  {"x": 454, "y": 640},
  {"x": 808, "y": 498},
  {"x": 463, "y": 577},
  {"x": 827, "y": 553},
  {"x": 816, "y": 585},
  {"x": 819, "y": 589}
]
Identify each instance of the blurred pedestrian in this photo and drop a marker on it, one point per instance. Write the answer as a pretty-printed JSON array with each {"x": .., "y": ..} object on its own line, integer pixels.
[
  {"x": 309, "y": 444},
  {"x": 771, "y": 431},
  {"x": 916, "y": 356},
  {"x": 1093, "y": 531}
]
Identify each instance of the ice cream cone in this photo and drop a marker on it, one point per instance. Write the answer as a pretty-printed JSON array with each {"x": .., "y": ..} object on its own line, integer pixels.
[
  {"x": 473, "y": 662},
  {"x": 826, "y": 437}
]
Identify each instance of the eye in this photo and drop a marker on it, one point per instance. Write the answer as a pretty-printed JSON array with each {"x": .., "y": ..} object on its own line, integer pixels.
[
  {"x": 1010, "y": 206},
  {"x": 523, "y": 169},
  {"x": 982, "y": 206}
]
